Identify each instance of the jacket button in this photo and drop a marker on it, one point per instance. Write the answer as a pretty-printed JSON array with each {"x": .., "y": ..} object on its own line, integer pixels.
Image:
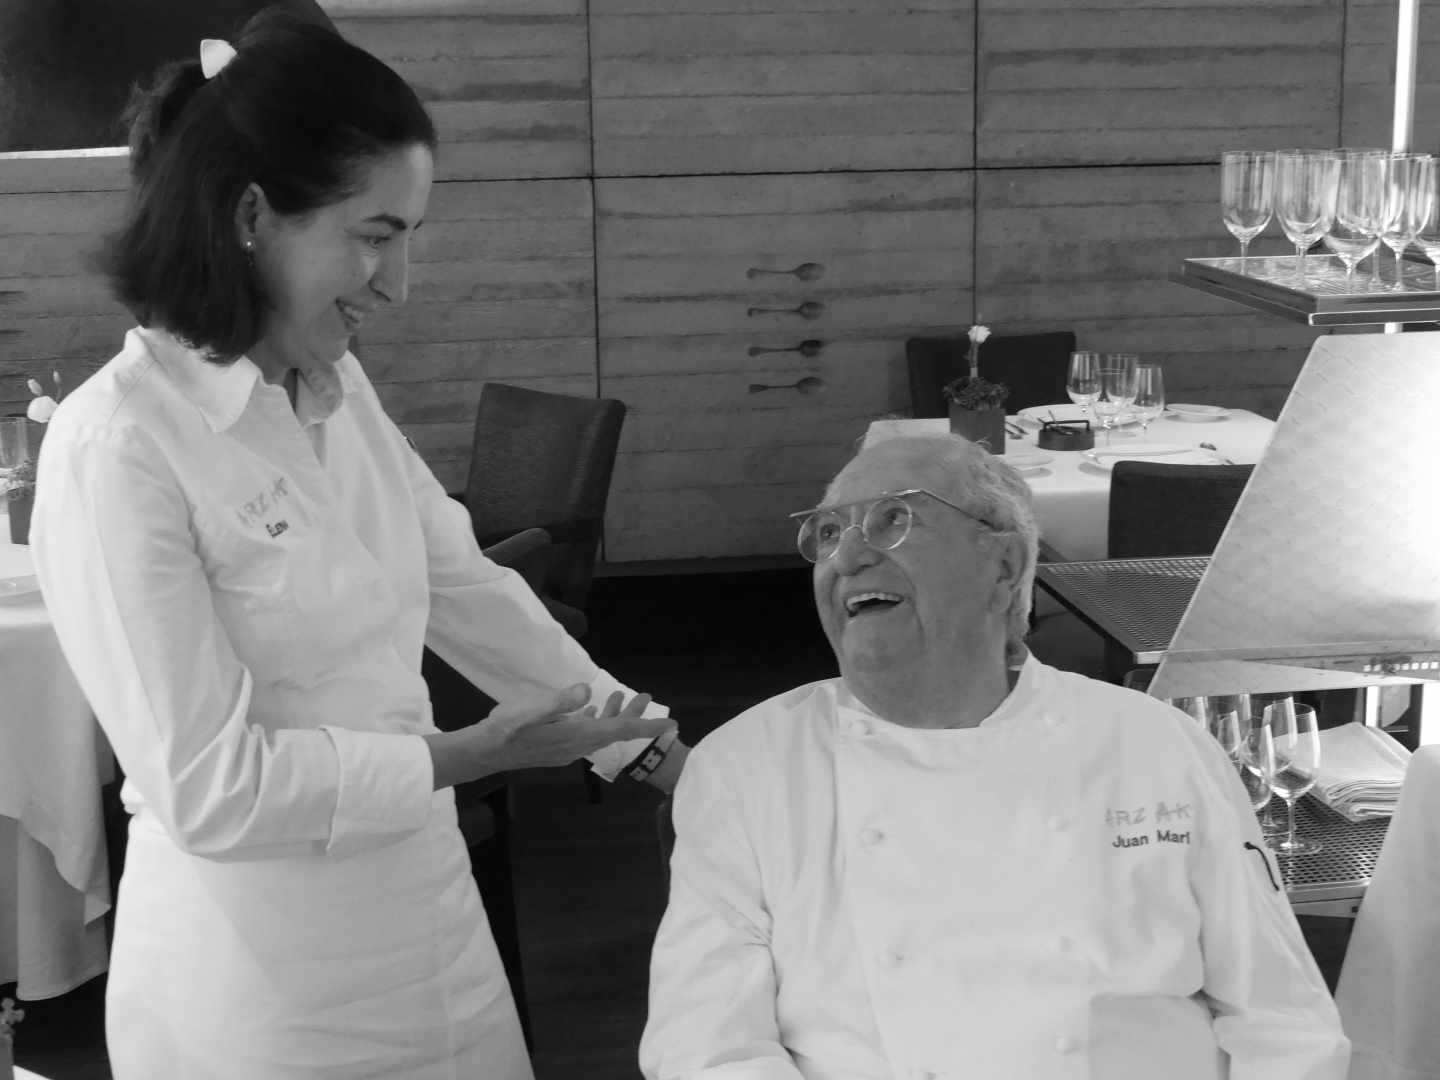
[
  {"x": 859, "y": 728},
  {"x": 1067, "y": 1044},
  {"x": 1052, "y": 721},
  {"x": 1058, "y": 823},
  {"x": 1063, "y": 944},
  {"x": 890, "y": 959},
  {"x": 871, "y": 837}
]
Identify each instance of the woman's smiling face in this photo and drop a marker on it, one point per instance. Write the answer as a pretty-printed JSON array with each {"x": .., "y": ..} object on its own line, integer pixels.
[{"x": 324, "y": 273}]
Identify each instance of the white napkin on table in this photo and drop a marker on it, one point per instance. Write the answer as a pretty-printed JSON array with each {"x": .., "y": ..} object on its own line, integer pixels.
[{"x": 1361, "y": 771}]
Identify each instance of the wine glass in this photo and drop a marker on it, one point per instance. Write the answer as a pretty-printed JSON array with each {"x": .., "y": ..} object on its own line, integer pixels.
[
  {"x": 1117, "y": 389},
  {"x": 1239, "y": 710},
  {"x": 14, "y": 446},
  {"x": 1149, "y": 396},
  {"x": 1083, "y": 381},
  {"x": 1354, "y": 230},
  {"x": 1407, "y": 178},
  {"x": 1305, "y": 199},
  {"x": 1427, "y": 214},
  {"x": 1290, "y": 752},
  {"x": 1247, "y": 194}
]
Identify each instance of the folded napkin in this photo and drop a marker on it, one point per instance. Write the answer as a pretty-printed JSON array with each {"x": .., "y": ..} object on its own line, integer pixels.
[{"x": 1361, "y": 771}]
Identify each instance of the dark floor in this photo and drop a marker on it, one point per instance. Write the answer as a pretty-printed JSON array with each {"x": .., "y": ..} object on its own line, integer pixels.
[{"x": 588, "y": 878}]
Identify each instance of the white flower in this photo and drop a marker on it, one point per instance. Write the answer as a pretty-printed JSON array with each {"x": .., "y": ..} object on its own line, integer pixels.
[
  {"x": 41, "y": 408},
  {"x": 979, "y": 333},
  {"x": 35, "y": 387}
]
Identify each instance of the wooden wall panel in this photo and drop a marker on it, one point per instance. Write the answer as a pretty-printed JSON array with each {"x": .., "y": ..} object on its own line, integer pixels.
[
  {"x": 1116, "y": 81},
  {"x": 502, "y": 288},
  {"x": 507, "y": 84},
  {"x": 706, "y": 460},
  {"x": 1092, "y": 250},
  {"x": 1369, "y": 101},
  {"x": 740, "y": 86}
]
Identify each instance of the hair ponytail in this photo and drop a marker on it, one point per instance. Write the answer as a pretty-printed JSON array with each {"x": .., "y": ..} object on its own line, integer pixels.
[{"x": 153, "y": 111}]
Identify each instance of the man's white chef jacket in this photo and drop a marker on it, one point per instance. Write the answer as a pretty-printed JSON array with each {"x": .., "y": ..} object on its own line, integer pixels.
[
  {"x": 246, "y": 604},
  {"x": 1075, "y": 888}
]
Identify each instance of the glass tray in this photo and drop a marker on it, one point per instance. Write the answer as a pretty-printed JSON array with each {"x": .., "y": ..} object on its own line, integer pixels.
[{"x": 1269, "y": 283}]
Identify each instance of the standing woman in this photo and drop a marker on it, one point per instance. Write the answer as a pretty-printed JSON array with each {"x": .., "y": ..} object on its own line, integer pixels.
[{"x": 243, "y": 559}]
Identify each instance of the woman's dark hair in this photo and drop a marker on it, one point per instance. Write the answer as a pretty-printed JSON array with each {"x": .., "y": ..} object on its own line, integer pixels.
[{"x": 299, "y": 111}]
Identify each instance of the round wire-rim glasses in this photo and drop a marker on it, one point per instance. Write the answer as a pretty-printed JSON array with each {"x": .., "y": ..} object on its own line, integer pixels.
[{"x": 884, "y": 523}]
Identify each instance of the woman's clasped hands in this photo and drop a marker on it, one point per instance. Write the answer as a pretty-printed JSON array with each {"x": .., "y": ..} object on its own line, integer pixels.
[{"x": 558, "y": 727}]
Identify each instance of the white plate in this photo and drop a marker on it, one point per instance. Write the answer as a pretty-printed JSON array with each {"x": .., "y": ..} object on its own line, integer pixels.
[
  {"x": 1197, "y": 412},
  {"x": 12, "y": 588},
  {"x": 1038, "y": 414},
  {"x": 1105, "y": 457},
  {"x": 1028, "y": 461}
]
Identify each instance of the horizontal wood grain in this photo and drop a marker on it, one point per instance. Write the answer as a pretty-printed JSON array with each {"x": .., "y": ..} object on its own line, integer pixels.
[
  {"x": 737, "y": 87},
  {"x": 1369, "y": 88},
  {"x": 1112, "y": 81}
]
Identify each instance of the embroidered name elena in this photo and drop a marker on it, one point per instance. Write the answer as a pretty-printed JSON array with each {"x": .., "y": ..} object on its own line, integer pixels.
[{"x": 256, "y": 509}]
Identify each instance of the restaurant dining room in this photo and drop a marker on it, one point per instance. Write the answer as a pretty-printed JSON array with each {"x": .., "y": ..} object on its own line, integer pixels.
[{"x": 545, "y": 539}]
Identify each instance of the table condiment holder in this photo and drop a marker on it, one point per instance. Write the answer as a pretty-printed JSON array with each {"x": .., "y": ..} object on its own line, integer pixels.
[{"x": 1065, "y": 435}]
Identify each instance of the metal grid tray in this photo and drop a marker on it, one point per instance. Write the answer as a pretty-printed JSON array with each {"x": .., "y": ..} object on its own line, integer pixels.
[
  {"x": 1269, "y": 283},
  {"x": 1343, "y": 867},
  {"x": 1136, "y": 602}
]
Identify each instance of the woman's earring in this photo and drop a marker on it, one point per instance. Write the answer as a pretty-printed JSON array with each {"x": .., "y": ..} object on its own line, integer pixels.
[{"x": 250, "y": 252}]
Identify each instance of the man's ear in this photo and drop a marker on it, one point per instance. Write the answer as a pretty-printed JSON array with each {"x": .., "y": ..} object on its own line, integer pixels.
[{"x": 1009, "y": 564}]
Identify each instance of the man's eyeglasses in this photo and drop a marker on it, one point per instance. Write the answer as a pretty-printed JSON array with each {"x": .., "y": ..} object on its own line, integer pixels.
[{"x": 884, "y": 523}]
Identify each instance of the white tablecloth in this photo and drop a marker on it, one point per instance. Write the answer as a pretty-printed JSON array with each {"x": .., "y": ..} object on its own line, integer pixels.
[
  {"x": 1390, "y": 982},
  {"x": 54, "y": 883},
  {"x": 1072, "y": 497}
]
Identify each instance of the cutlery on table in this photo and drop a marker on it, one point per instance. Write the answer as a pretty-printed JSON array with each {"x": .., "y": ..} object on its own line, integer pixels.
[
  {"x": 1014, "y": 429},
  {"x": 1215, "y": 450}
]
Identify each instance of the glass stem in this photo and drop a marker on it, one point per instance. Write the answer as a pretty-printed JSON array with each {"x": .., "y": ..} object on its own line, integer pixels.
[
  {"x": 1300, "y": 268},
  {"x": 1290, "y": 830},
  {"x": 1400, "y": 269},
  {"x": 1244, "y": 246}
]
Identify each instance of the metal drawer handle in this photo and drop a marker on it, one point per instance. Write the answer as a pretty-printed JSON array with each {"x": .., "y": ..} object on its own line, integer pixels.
[
  {"x": 810, "y": 309},
  {"x": 808, "y": 347},
  {"x": 806, "y": 271},
  {"x": 808, "y": 385}
]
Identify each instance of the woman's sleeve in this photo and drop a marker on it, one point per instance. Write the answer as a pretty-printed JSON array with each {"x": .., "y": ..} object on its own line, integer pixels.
[
  {"x": 487, "y": 623},
  {"x": 712, "y": 972},
  {"x": 1274, "y": 1015},
  {"x": 131, "y": 605}
]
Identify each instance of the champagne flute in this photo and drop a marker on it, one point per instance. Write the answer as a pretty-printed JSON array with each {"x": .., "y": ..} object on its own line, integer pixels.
[
  {"x": 1117, "y": 389},
  {"x": 1290, "y": 749},
  {"x": 1305, "y": 199},
  {"x": 1247, "y": 194},
  {"x": 1354, "y": 230},
  {"x": 1083, "y": 381},
  {"x": 1407, "y": 178},
  {"x": 1149, "y": 396}
]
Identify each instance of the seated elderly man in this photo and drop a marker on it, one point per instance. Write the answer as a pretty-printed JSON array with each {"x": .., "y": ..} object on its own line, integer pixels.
[{"x": 940, "y": 866}]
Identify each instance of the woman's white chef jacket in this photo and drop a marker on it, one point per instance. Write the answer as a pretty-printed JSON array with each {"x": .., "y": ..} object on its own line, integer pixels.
[
  {"x": 243, "y": 590},
  {"x": 1074, "y": 888}
]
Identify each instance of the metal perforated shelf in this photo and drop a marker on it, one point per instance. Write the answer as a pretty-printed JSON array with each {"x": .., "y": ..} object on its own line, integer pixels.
[
  {"x": 1137, "y": 602},
  {"x": 1344, "y": 865}
]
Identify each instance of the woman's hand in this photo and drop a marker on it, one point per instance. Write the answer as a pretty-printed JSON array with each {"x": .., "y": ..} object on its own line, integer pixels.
[{"x": 541, "y": 729}]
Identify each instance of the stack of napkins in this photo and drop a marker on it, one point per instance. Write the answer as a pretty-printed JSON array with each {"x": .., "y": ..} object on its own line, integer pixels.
[{"x": 1361, "y": 771}]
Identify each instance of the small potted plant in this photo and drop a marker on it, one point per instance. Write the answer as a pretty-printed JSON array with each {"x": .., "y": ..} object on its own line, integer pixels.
[
  {"x": 9, "y": 1017},
  {"x": 977, "y": 405},
  {"x": 21, "y": 487}
]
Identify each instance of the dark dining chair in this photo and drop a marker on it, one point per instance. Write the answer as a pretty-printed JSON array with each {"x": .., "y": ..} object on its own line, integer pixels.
[
  {"x": 1160, "y": 508},
  {"x": 543, "y": 460},
  {"x": 1034, "y": 366}
]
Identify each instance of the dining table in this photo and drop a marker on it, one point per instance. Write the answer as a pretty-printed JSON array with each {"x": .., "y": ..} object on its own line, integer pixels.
[
  {"x": 54, "y": 760},
  {"x": 1390, "y": 977},
  {"x": 1071, "y": 488}
]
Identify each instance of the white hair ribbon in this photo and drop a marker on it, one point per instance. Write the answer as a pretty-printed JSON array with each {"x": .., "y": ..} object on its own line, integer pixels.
[{"x": 214, "y": 55}]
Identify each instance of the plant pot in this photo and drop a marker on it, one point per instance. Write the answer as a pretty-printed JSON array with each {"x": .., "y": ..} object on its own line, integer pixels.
[
  {"x": 20, "y": 507},
  {"x": 980, "y": 426}
]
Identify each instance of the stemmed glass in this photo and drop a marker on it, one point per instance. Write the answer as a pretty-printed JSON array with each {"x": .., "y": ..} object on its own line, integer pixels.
[
  {"x": 1117, "y": 389},
  {"x": 1149, "y": 398},
  {"x": 1407, "y": 179},
  {"x": 1247, "y": 194},
  {"x": 1238, "y": 710},
  {"x": 14, "y": 446},
  {"x": 1427, "y": 213},
  {"x": 1354, "y": 230},
  {"x": 1083, "y": 381},
  {"x": 1305, "y": 199},
  {"x": 1290, "y": 752}
]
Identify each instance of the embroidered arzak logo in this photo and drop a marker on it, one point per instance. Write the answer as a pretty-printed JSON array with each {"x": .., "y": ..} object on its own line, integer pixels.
[{"x": 254, "y": 511}]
